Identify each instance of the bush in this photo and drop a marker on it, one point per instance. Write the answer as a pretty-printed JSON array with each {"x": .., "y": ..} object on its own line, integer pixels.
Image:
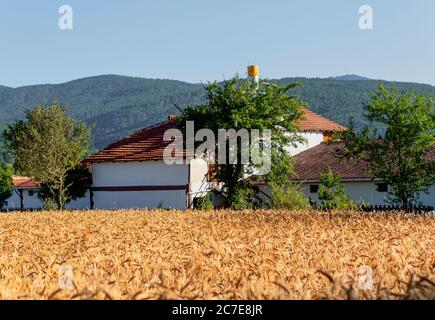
[
  {"x": 242, "y": 198},
  {"x": 49, "y": 204},
  {"x": 203, "y": 203},
  {"x": 289, "y": 197}
]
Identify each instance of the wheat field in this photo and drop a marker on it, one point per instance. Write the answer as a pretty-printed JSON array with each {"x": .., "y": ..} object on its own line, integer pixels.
[{"x": 216, "y": 255}]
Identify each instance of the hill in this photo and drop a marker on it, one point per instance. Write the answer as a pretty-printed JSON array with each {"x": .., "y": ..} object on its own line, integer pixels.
[
  {"x": 117, "y": 105},
  {"x": 349, "y": 77}
]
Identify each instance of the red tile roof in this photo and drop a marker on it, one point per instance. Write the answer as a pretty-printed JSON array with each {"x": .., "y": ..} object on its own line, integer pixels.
[
  {"x": 312, "y": 162},
  {"x": 148, "y": 145},
  {"x": 144, "y": 145},
  {"x": 24, "y": 182},
  {"x": 314, "y": 122}
]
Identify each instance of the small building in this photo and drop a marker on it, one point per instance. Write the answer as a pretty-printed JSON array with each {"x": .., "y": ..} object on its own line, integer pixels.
[
  {"x": 24, "y": 195},
  {"x": 358, "y": 183},
  {"x": 131, "y": 173}
]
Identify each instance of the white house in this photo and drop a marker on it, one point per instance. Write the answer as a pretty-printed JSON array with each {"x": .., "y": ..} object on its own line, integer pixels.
[
  {"x": 358, "y": 183},
  {"x": 25, "y": 196},
  {"x": 131, "y": 173}
]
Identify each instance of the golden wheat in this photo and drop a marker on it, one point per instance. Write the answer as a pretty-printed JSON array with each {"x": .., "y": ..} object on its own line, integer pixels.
[{"x": 216, "y": 255}]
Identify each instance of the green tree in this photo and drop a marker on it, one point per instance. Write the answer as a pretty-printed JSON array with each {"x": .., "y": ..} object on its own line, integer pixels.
[
  {"x": 243, "y": 104},
  {"x": 397, "y": 153},
  {"x": 48, "y": 146},
  {"x": 6, "y": 185},
  {"x": 331, "y": 193}
]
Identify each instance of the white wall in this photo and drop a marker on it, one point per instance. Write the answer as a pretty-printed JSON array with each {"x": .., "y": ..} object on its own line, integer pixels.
[
  {"x": 29, "y": 202},
  {"x": 176, "y": 199},
  {"x": 429, "y": 199},
  {"x": 312, "y": 139},
  {"x": 199, "y": 185},
  {"x": 150, "y": 173},
  {"x": 80, "y": 204},
  {"x": 367, "y": 192}
]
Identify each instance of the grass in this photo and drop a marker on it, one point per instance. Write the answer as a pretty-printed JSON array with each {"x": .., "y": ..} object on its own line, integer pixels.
[{"x": 216, "y": 255}]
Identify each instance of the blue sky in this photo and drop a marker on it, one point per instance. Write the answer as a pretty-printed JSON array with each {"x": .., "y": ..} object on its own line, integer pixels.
[{"x": 202, "y": 40}]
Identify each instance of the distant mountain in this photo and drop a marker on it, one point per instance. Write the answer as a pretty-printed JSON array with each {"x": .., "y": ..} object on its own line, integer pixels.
[
  {"x": 349, "y": 77},
  {"x": 116, "y": 105}
]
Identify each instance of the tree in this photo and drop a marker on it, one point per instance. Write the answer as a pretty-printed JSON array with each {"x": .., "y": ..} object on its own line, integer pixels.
[
  {"x": 331, "y": 193},
  {"x": 6, "y": 185},
  {"x": 48, "y": 146},
  {"x": 397, "y": 153},
  {"x": 243, "y": 104}
]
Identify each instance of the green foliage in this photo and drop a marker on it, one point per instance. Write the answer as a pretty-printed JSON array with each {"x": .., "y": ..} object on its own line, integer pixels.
[
  {"x": 331, "y": 193},
  {"x": 203, "y": 203},
  {"x": 6, "y": 185},
  {"x": 241, "y": 104},
  {"x": 397, "y": 154},
  {"x": 77, "y": 179},
  {"x": 48, "y": 146},
  {"x": 289, "y": 197},
  {"x": 241, "y": 198},
  {"x": 5, "y": 155}
]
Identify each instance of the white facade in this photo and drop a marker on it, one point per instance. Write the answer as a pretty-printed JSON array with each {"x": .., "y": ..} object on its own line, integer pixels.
[
  {"x": 312, "y": 139},
  {"x": 367, "y": 192},
  {"x": 30, "y": 200},
  {"x": 148, "y": 184}
]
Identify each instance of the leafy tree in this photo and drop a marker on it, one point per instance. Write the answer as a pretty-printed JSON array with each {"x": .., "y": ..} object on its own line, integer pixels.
[
  {"x": 243, "y": 104},
  {"x": 6, "y": 185},
  {"x": 397, "y": 154},
  {"x": 49, "y": 146},
  {"x": 5, "y": 155},
  {"x": 331, "y": 193}
]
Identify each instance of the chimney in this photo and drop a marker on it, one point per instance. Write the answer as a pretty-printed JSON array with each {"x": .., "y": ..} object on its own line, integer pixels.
[{"x": 253, "y": 73}]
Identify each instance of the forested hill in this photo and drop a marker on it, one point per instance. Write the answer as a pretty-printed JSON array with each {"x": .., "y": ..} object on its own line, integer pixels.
[{"x": 116, "y": 105}]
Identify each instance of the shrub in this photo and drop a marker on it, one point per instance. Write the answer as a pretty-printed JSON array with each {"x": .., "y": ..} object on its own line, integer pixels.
[
  {"x": 242, "y": 198},
  {"x": 289, "y": 197},
  {"x": 203, "y": 203}
]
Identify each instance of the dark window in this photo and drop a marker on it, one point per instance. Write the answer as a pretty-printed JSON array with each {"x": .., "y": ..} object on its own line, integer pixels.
[
  {"x": 314, "y": 188},
  {"x": 382, "y": 187},
  {"x": 31, "y": 193}
]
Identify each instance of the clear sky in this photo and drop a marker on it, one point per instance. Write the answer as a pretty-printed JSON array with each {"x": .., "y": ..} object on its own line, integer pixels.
[{"x": 202, "y": 40}]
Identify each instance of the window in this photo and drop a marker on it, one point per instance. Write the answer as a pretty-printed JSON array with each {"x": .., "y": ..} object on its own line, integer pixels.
[
  {"x": 314, "y": 188},
  {"x": 382, "y": 187},
  {"x": 31, "y": 193}
]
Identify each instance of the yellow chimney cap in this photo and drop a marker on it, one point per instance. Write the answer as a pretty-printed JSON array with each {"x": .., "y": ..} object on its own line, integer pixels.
[{"x": 253, "y": 71}]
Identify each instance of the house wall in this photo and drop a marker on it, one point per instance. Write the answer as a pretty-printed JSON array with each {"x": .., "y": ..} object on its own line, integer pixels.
[
  {"x": 312, "y": 139},
  {"x": 80, "y": 204},
  {"x": 150, "y": 173},
  {"x": 199, "y": 186},
  {"x": 29, "y": 202},
  {"x": 367, "y": 192},
  {"x": 134, "y": 174},
  {"x": 175, "y": 199}
]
